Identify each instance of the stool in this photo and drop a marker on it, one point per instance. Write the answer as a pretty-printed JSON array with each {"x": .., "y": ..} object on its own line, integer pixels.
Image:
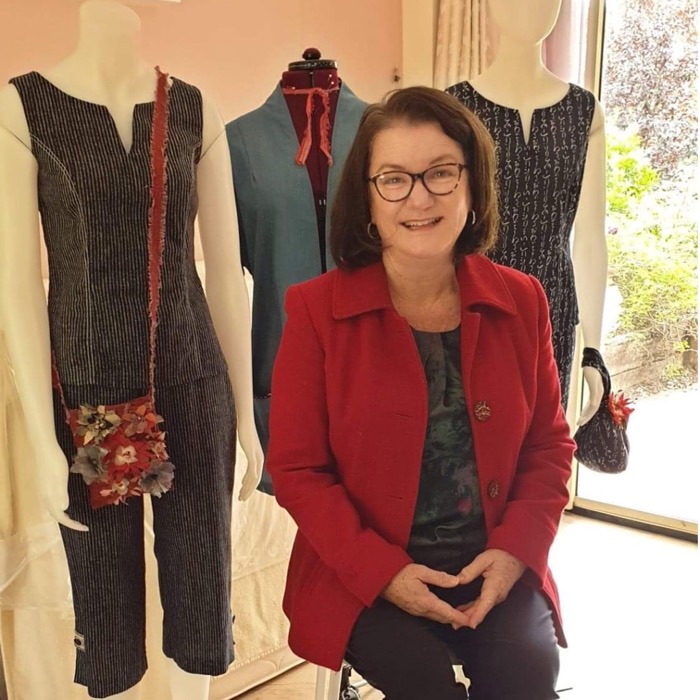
[{"x": 335, "y": 685}]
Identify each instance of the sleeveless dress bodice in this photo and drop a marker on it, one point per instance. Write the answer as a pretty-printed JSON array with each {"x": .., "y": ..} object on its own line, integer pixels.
[
  {"x": 539, "y": 185},
  {"x": 94, "y": 200}
]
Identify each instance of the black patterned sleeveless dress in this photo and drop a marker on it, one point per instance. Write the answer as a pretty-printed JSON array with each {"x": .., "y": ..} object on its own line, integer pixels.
[
  {"x": 94, "y": 200},
  {"x": 539, "y": 184}
]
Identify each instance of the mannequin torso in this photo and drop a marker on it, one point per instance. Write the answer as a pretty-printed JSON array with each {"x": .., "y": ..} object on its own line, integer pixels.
[
  {"x": 105, "y": 69},
  {"x": 281, "y": 219},
  {"x": 296, "y": 83},
  {"x": 321, "y": 78},
  {"x": 518, "y": 80}
]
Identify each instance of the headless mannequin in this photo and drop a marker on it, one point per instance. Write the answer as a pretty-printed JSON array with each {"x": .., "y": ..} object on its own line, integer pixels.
[
  {"x": 281, "y": 162},
  {"x": 105, "y": 68},
  {"x": 518, "y": 79},
  {"x": 301, "y": 76}
]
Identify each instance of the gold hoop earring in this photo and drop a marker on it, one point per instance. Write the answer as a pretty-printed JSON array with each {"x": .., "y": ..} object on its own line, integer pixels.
[{"x": 373, "y": 236}]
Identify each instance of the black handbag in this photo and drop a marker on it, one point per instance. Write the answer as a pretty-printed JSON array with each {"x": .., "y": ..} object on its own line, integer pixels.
[{"x": 602, "y": 444}]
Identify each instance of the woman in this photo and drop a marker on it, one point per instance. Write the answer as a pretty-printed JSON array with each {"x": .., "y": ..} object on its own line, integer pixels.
[{"x": 417, "y": 436}]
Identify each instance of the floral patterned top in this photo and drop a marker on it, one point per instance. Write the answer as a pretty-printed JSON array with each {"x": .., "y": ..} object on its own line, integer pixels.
[{"x": 448, "y": 525}]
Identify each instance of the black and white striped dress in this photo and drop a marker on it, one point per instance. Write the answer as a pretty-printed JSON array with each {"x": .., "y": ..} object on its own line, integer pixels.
[
  {"x": 539, "y": 184},
  {"x": 94, "y": 199}
]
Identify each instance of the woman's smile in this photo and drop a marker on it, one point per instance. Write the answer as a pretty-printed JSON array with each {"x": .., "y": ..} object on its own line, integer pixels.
[{"x": 422, "y": 224}]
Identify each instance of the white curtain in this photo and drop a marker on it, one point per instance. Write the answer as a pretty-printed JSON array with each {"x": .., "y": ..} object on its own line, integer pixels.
[
  {"x": 467, "y": 42},
  {"x": 570, "y": 49},
  {"x": 464, "y": 41}
]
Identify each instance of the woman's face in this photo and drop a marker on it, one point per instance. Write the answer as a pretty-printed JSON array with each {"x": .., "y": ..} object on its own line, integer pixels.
[{"x": 424, "y": 226}]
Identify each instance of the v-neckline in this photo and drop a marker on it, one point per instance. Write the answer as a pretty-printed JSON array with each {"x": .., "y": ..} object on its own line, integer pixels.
[
  {"x": 519, "y": 117},
  {"x": 126, "y": 152}
]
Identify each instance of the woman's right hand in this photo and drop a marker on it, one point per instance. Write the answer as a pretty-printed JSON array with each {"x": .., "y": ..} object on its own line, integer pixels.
[
  {"x": 53, "y": 487},
  {"x": 409, "y": 591}
]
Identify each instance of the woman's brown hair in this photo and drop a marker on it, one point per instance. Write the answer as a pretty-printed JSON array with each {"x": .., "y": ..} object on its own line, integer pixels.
[{"x": 350, "y": 242}]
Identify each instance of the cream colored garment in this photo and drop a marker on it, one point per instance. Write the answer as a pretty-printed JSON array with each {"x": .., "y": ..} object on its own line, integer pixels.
[
  {"x": 32, "y": 576},
  {"x": 36, "y": 612},
  {"x": 464, "y": 41},
  {"x": 35, "y": 602}
]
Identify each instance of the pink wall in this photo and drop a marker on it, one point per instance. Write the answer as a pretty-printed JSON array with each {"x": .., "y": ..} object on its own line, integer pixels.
[{"x": 234, "y": 50}]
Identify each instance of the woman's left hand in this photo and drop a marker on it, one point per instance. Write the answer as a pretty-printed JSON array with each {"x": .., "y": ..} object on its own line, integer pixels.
[{"x": 500, "y": 571}]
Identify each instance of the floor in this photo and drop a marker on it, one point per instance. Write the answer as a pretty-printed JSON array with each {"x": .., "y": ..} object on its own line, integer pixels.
[{"x": 630, "y": 601}]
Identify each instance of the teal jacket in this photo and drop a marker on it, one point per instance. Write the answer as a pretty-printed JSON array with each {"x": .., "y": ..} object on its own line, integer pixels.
[{"x": 277, "y": 219}]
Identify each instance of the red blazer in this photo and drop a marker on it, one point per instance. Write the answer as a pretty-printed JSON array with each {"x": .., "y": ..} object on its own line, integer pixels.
[{"x": 348, "y": 422}]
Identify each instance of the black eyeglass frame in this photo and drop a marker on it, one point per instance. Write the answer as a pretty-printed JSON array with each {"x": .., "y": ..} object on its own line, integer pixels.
[{"x": 417, "y": 176}]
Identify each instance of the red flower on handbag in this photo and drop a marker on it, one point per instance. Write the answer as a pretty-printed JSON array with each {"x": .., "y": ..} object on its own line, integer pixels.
[
  {"x": 620, "y": 408},
  {"x": 141, "y": 420},
  {"x": 158, "y": 446},
  {"x": 129, "y": 456}
]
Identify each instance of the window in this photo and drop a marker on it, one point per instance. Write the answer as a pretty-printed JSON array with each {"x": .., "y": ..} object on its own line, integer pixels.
[{"x": 649, "y": 92}]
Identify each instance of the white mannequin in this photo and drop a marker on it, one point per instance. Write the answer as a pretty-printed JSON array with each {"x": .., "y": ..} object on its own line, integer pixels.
[
  {"x": 518, "y": 79},
  {"x": 106, "y": 68}
]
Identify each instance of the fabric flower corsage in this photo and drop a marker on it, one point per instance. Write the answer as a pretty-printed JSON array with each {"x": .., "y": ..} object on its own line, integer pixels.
[
  {"x": 620, "y": 408},
  {"x": 96, "y": 423},
  {"x": 121, "y": 452}
]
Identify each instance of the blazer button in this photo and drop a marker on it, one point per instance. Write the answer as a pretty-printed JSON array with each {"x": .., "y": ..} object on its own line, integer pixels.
[
  {"x": 493, "y": 489},
  {"x": 482, "y": 411}
]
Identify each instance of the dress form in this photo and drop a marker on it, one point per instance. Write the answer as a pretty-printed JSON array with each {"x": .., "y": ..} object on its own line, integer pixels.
[
  {"x": 518, "y": 79},
  {"x": 314, "y": 73},
  {"x": 105, "y": 68},
  {"x": 281, "y": 198}
]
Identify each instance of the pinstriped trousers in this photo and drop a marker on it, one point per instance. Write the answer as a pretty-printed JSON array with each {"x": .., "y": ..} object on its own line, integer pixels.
[{"x": 192, "y": 525}]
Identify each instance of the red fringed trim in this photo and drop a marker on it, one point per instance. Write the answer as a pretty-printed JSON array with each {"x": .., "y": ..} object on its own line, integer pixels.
[
  {"x": 156, "y": 215},
  {"x": 325, "y": 125}
]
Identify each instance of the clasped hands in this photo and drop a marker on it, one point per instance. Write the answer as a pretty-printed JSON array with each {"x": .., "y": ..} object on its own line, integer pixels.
[{"x": 409, "y": 590}]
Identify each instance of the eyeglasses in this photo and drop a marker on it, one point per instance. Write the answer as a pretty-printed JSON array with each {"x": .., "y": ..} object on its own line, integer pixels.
[{"x": 397, "y": 185}]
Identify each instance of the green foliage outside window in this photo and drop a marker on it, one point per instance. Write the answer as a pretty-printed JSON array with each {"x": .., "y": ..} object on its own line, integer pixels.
[{"x": 653, "y": 247}]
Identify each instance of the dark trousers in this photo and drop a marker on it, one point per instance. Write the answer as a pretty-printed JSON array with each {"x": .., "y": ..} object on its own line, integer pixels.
[
  {"x": 192, "y": 525},
  {"x": 512, "y": 655}
]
